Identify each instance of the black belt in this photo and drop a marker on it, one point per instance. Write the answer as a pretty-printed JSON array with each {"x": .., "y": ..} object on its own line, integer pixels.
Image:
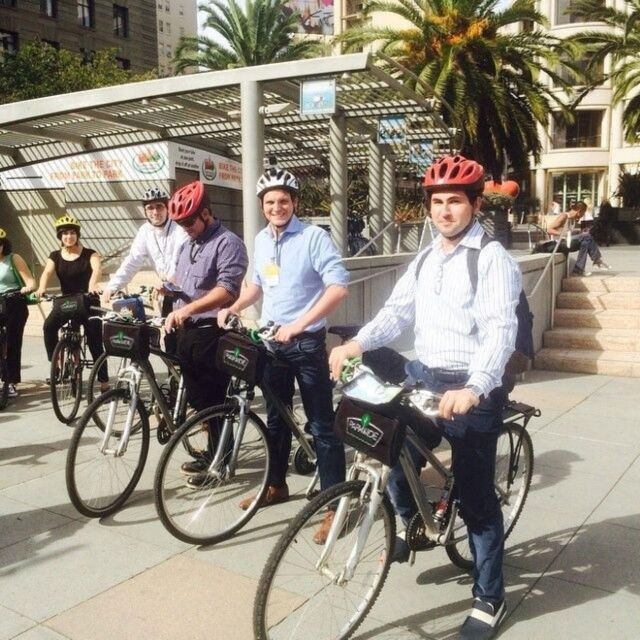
[
  {"x": 201, "y": 323},
  {"x": 447, "y": 375},
  {"x": 320, "y": 333}
]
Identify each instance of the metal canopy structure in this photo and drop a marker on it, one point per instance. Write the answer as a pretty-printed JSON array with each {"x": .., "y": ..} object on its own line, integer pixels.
[
  {"x": 247, "y": 114},
  {"x": 204, "y": 110}
]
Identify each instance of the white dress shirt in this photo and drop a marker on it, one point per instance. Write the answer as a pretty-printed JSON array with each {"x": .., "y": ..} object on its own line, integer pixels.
[
  {"x": 155, "y": 246},
  {"x": 455, "y": 329}
]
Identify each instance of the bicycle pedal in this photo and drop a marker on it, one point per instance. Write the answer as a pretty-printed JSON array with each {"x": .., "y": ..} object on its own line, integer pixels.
[
  {"x": 412, "y": 558},
  {"x": 163, "y": 434}
]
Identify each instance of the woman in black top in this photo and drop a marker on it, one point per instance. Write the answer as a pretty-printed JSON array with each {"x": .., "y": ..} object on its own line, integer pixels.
[{"x": 78, "y": 270}]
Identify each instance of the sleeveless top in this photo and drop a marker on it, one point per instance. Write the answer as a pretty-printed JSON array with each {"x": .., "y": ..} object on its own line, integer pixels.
[
  {"x": 74, "y": 275},
  {"x": 8, "y": 281}
]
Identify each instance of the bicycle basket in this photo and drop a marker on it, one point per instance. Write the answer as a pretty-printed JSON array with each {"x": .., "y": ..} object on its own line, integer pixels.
[
  {"x": 239, "y": 357},
  {"x": 364, "y": 428},
  {"x": 132, "y": 307},
  {"x": 72, "y": 307},
  {"x": 126, "y": 340}
]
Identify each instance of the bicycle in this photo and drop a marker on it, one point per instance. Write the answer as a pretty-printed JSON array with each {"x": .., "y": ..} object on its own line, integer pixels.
[
  {"x": 325, "y": 591},
  {"x": 136, "y": 303},
  {"x": 69, "y": 357},
  {"x": 4, "y": 367},
  {"x": 110, "y": 443},
  {"x": 238, "y": 461}
]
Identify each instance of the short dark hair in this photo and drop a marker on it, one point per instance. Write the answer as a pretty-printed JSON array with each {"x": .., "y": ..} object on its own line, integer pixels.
[{"x": 7, "y": 247}]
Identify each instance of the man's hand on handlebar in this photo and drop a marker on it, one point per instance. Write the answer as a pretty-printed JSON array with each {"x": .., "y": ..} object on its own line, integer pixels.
[
  {"x": 338, "y": 356},
  {"x": 457, "y": 402},
  {"x": 175, "y": 320},
  {"x": 106, "y": 296},
  {"x": 224, "y": 316}
]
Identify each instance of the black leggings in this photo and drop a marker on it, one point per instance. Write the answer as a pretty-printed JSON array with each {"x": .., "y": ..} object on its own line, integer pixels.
[
  {"x": 17, "y": 314},
  {"x": 92, "y": 329}
]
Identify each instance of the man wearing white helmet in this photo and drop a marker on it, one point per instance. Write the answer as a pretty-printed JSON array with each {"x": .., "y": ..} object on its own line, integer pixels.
[
  {"x": 156, "y": 243},
  {"x": 299, "y": 274}
]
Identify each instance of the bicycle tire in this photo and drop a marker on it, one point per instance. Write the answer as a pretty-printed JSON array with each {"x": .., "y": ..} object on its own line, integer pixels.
[
  {"x": 4, "y": 373},
  {"x": 212, "y": 513},
  {"x": 512, "y": 502},
  {"x": 87, "y": 464},
  {"x": 285, "y": 605},
  {"x": 66, "y": 380}
]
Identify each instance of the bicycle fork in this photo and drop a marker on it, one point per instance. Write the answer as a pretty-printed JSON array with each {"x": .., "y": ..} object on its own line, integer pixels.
[
  {"x": 132, "y": 379},
  {"x": 374, "y": 488}
]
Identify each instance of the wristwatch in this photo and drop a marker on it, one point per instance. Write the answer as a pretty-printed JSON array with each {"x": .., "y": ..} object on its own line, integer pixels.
[{"x": 475, "y": 390}]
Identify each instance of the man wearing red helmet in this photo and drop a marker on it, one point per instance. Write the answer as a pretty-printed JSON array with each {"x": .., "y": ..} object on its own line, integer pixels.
[
  {"x": 209, "y": 270},
  {"x": 464, "y": 338}
]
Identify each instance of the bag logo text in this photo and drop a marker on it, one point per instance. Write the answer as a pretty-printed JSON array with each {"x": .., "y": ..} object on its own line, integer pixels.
[
  {"x": 121, "y": 341},
  {"x": 364, "y": 430},
  {"x": 235, "y": 359}
]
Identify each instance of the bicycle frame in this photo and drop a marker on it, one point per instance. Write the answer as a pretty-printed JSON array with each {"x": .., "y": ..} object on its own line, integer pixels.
[{"x": 131, "y": 375}]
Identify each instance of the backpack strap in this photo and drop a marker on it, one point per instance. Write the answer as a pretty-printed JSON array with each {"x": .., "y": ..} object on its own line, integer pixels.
[{"x": 473, "y": 255}]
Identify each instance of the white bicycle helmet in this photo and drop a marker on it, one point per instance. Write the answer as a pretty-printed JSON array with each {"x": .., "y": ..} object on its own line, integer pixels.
[
  {"x": 275, "y": 178},
  {"x": 155, "y": 194}
]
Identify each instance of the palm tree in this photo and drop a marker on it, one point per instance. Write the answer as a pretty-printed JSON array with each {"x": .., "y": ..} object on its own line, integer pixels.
[
  {"x": 488, "y": 77},
  {"x": 622, "y": 42},
  {"x": 263, "y": 32}
]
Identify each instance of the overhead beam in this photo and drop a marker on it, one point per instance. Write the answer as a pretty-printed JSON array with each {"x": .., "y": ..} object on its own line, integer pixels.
[
  {"x": 43, "y": 132},
  {"x": 110, "y": 118}
]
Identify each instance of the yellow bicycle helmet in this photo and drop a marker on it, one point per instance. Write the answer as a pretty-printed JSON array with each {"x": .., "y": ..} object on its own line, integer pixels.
[
  {"x": 66, "y": 222},
  {"x": 3, "y": 234}
]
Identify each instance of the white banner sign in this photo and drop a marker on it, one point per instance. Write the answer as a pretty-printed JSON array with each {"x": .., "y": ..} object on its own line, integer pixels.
[{"x": 213, "y": 169}]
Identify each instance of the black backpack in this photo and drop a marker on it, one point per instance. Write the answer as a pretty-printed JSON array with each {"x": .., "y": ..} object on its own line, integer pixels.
[{"x": 524, "y": 351}]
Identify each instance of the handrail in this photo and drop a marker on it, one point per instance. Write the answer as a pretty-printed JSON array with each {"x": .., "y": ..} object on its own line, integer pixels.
[{"x": 372, "y": 240}]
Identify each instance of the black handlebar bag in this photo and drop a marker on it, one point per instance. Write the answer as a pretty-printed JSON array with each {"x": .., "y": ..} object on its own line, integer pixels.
[
  {"x": 127, "y": 340},
  {"x": 238, "y": 356},
  {"x": 72, "y": 307},
  {"x": 365, "y": 427}
]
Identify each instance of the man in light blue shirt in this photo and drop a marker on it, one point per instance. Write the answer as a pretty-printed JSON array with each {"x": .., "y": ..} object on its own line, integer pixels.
[{"x": 301, "y": 278}]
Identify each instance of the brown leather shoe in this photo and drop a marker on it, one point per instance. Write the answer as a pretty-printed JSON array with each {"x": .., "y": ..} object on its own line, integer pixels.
[
  {"x": 273, "y": 495},
  {"x": 322, "y": 533}
]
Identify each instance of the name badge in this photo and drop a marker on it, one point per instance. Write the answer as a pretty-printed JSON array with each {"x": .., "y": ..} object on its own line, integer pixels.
[{"x": 272, "y": 274}]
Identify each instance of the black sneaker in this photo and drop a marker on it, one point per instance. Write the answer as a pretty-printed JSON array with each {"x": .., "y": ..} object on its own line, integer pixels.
[
  {"x": 201, "y": 481},
  {"x": 194, "y": 467},
  {"x": 484, "y": 620},
  {"x": 401, "y": 552}
]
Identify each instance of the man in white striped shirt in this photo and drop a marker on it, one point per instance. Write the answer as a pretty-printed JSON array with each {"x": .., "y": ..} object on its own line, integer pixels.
[{"x": 464, "y": 338}]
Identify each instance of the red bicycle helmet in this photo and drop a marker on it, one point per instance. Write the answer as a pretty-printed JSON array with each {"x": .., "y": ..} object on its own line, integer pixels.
[
  {"x": 187, "y": 201},
  {"x": 454, "y": 172}
]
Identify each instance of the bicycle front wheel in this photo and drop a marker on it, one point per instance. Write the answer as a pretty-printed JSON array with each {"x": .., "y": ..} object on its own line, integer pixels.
[
  {"x": 514, "y": 469},
  {"x": 102, "y": 472},
  {"x": 66, "y": 380},
  {"x": 300, "y": 597},
  {"x": 211, "y": 512}
]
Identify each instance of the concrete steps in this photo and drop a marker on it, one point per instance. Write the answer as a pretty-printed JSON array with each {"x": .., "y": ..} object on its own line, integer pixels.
[{"x": 596, "y": 328}]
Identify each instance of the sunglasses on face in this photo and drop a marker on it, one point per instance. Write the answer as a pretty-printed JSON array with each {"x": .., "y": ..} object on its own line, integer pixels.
[{"x": 189, "y": 222}]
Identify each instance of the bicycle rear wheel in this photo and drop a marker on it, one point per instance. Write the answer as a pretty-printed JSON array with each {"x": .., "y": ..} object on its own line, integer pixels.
[
  {"x": 298, "y": 600},
  {"x": 66, "y": 380},
  {"x": 4, "y": 373},
  {"x": 512, "y": 481},
  {"x": 99, "y": 480},
  {"x": 211, "y": 513}
]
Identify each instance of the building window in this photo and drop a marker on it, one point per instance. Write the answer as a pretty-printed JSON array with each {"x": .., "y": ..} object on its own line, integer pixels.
[
  {"x": 571, "y": 187},
  {"x": 49, "y": 8},
  {"x": 160, "y": 26},
  {"x": 595, "y": 75},
  {"x": 181, "y": 10},
  {"x": 167, "y": 8},
  {"x": 565, "y": 15},
  {"x": 124, "y": 63},
  {"x": 52, "y": 43},
  {"x": 86, "y": 13},
  {"x": 120, "y": 21},
  {"x": 9, "y": 40},
  {"x": 585, "y": 131},
  {"x": 8, "y": 3},
  {"x": 168, "y": 28}
]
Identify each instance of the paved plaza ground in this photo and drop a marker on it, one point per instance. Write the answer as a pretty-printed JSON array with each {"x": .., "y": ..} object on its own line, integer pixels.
[{"x": 572, "y": 563}]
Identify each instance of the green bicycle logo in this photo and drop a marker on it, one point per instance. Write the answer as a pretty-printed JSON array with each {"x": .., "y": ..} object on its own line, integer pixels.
[
  {"x": 235, "y": 359},
  {"x": 121, "y": 341},
  {"x": 364, "y": 430}
]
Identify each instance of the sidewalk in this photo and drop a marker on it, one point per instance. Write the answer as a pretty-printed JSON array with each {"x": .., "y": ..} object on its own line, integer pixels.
[{"x": 572, "y": 563}]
